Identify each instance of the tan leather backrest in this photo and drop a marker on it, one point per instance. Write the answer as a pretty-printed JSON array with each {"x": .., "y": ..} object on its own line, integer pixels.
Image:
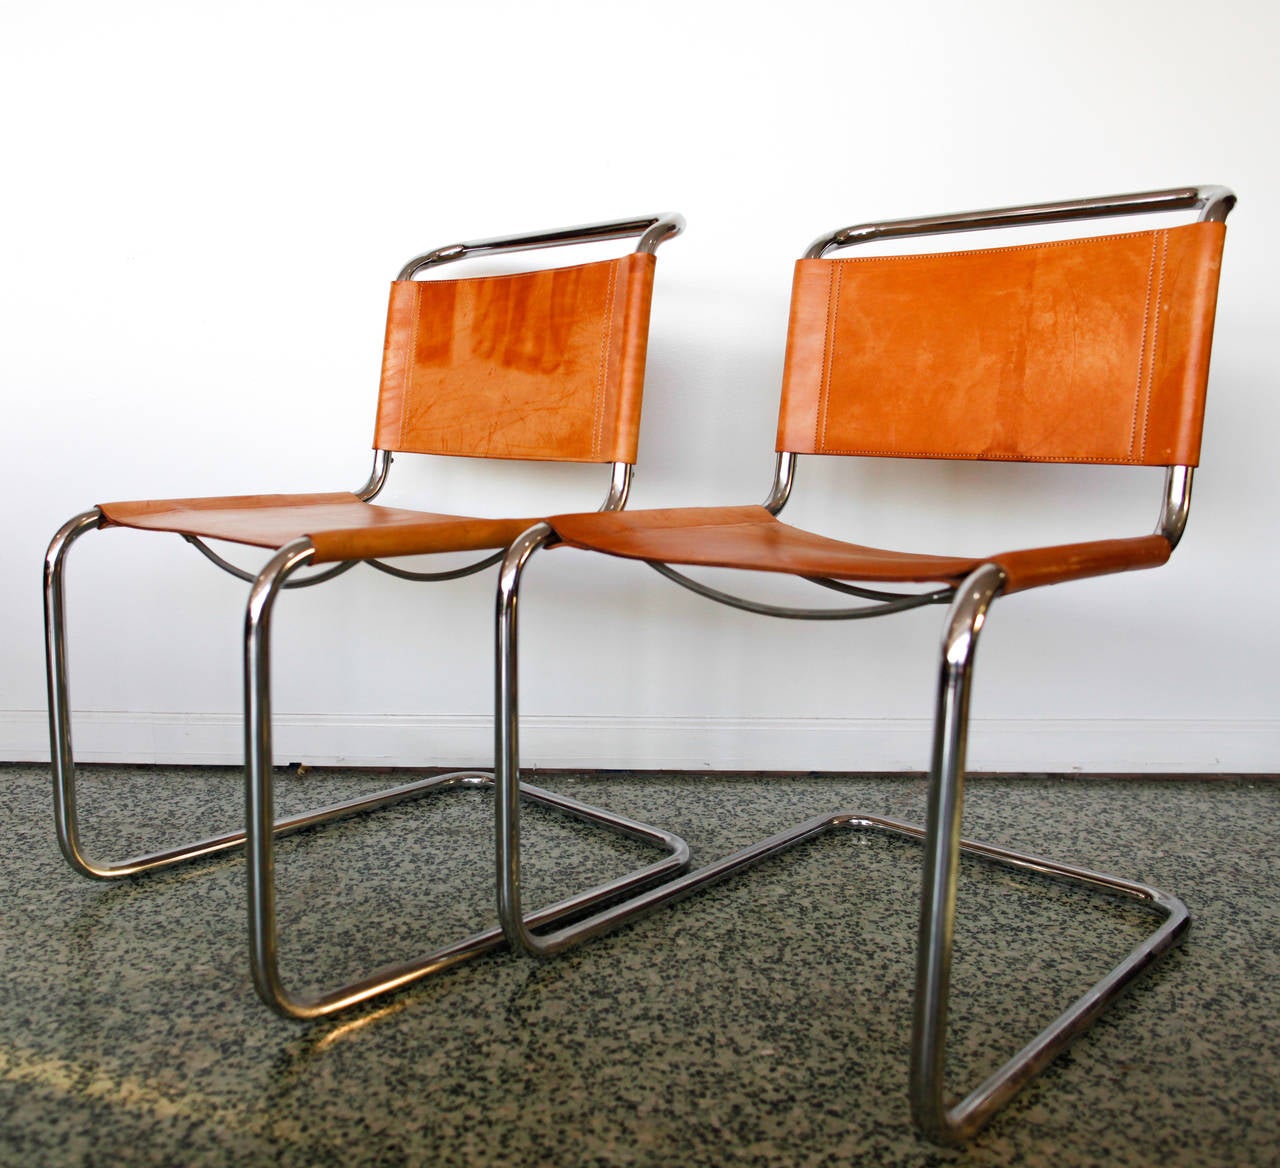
[
  {"x": 1090, "y": 350},
  {"x": 541, "y": 365}
]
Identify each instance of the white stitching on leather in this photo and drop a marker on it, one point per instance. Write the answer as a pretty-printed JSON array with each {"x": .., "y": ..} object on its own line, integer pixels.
[
  {"x": 1155, "y": 338},
  {"x": 1142, "y": 349},
  {"x": 597, "y": 429}
]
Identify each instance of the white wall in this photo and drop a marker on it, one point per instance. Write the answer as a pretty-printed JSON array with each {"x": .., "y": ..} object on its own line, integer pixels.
[{"x": 204, "y": 205}]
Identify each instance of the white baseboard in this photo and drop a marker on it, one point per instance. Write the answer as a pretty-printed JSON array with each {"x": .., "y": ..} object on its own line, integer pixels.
[{"x": 1097, "y": 746}]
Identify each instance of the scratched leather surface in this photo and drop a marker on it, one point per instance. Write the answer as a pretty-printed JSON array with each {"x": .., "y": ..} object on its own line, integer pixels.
[
  {"x": 1093, "y": 350},
  {"x": 541, "y": 365}
]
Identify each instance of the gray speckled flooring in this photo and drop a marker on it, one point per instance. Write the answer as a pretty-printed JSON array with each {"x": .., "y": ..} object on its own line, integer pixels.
[{"x": 763, "y": 1023}]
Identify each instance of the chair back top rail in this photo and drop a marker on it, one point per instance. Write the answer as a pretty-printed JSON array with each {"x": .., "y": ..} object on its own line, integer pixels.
[
  {"x": 653, "y": 230},
  {"x": 1213, "y": 202}
]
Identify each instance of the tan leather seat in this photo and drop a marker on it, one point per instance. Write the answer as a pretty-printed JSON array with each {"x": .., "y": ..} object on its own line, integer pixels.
[
  {"x": 752, "y": 539},
  {"x": 341, "y": 526}
]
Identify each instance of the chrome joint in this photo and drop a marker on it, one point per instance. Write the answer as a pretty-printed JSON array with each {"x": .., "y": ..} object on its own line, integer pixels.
[
  {"x": 1177, "y": 503},
  {"x": 784, "y": 478}
]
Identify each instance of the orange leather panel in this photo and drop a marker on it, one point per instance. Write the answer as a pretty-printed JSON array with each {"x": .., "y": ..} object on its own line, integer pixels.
[
  {"x": 1055, "y": 565},
  {"x": 750, "y": 538},
  {"x": 542, "y": 365},
  {"x": 340, "y": 525},
  {"x": 1093, "y": 350},
  {"x": 744, "y": 537}
]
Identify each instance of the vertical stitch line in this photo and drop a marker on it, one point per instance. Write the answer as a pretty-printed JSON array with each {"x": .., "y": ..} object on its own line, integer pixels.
[
  {"x": 1155, "y": 337},
  {"x": 1142, "y": 350},
  {"x": 828, "y": 354},
  {"x": 411, "y": 358},
  {"x": 597, "y": 429}
]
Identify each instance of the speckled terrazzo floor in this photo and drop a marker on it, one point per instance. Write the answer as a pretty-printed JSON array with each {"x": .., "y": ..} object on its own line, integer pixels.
[{"x": 763, "y": 1023}]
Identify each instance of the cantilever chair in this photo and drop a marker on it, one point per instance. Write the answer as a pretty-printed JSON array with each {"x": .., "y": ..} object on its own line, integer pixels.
[
  {"x": 540, "y": 365},
  {"x": 1089, "y": 350}
]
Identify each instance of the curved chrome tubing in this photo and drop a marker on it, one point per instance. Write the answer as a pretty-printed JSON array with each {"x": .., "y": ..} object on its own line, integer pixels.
[
  {"x": 654, "y": 230},
  {"x": 943, "y": 847},
  {"x": 248, "y": 577},
  {"x": 382, "y": 460},
  {"x": 884, "y": 603},
  {"x": 518, "y": 927},
  {"x": 937, "y": 1119},
  {"x": 263, "y": 942},
  {"x": 1176, "y": 506},
  {"x": 959, "y": 1122},
  {"x": 1213, "y": 202},
  {"x": 262, "y": 829},
  {"x": 784, "y": 479},
  {"x": 620, "y": 478}
]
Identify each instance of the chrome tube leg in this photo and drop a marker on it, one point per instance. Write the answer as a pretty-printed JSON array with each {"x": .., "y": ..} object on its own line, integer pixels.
[
  {"x": 260, "y": 832},
  {"x": 55, "y": 640},
  {"x": 506, "y": 778},
  {"x": 941, "y": 862},
  {"x": 516, "y": 926},
  {"x": 943, "y": 845},
  {"x": 63, "y": 768},
  {"x": 259, "y": 819}
]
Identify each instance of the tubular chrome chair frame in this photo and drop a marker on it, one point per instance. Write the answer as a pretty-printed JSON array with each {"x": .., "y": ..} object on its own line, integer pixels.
[
  {"x": 261, "y": 827},
  {"x": 939, "y": 1120}
]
